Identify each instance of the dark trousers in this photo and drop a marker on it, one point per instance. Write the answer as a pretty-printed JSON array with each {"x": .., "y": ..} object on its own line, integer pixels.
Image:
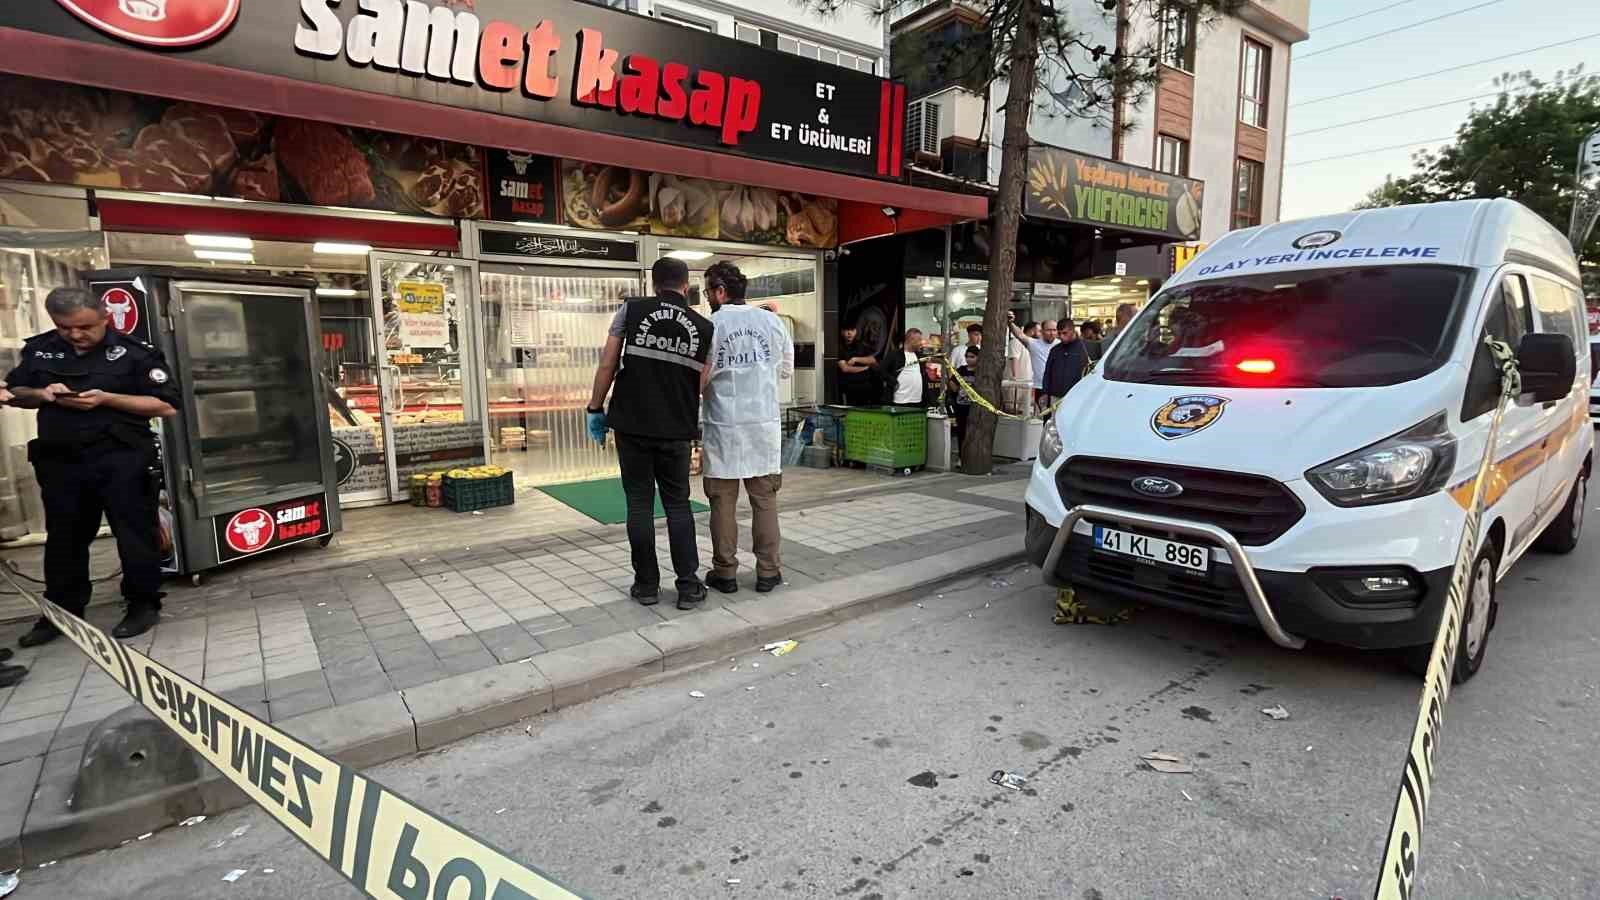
[
  {"x": 649, "y": 464},
  {"x": 116, "y": 482}
]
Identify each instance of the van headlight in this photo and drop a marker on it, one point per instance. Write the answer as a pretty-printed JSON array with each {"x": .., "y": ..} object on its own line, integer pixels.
[
  {"x": 1049, "y": 442},
  {"x": 1414, "y": 463}
]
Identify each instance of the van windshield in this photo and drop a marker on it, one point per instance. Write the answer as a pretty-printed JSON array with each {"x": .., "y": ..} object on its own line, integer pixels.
[{"x": 1354, "y": 327}]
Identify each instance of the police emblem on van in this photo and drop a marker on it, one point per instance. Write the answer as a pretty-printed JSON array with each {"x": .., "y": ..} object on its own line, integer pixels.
[
  {"x": 1316, "y": 239},
  {"x": 1185, "y": 415}
]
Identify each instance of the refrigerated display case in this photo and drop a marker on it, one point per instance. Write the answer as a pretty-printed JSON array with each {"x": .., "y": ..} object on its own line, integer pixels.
[{"x": 248, "y": 461}]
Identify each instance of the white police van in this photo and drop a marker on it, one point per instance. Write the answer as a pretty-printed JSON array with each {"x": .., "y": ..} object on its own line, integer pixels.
[{"x": 1288, "y": 434}]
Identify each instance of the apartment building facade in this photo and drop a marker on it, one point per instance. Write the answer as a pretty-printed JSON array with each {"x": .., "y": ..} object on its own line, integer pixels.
[{"x": 1217, "y": 113}]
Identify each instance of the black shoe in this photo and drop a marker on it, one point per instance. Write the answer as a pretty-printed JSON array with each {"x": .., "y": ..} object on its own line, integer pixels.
[
  {"x": 10, "y": 675},
  {"x": 138, "y": 620},
  {"x": 766, "y": 583},
  {"x": 5, "y": 654},
  {"x": 44, "y": 631},
  {"x": 722, "y": 583},
  {"x": 692, "y": 599},
  {"x": 647, "y": 596}
]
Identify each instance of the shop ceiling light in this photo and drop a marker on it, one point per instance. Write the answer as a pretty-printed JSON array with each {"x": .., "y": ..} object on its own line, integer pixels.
[
  {"x": 336, "y": 292},
  {"x": 689, "y": 255},
  {"x": 219, "y": 241},
  {"x": 334, "y": 248},
  {"x": 225, "y": 256}
]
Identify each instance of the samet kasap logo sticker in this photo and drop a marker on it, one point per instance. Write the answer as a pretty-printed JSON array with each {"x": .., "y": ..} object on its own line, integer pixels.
[
  {"x": 1184, "y": 416},
  {"x": 250, "y": 530},
  {"x": 122, "y": 308},
  {"x": 157, "y": 23}
]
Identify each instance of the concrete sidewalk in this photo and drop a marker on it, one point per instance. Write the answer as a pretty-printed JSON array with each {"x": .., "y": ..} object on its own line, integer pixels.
[{"x": 375, "y": 658}]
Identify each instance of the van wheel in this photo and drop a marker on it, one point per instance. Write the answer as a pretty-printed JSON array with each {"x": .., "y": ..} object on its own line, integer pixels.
[
  {"x": 1562, "y": 534},
  {"x": 1478, "y": 620}
]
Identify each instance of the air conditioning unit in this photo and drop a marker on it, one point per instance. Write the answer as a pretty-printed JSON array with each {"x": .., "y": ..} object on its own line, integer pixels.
[{"x": 922, "y": 128}]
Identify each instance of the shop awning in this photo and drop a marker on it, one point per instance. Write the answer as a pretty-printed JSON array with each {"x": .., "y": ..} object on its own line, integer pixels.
[{"x": 128, "y": 69}]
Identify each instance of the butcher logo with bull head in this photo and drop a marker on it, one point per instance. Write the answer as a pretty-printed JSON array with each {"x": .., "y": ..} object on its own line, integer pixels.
[
  {"x": 520, "y": 162},
  {"x": 250, "y": 530},
  {"x": 158, "y": 23},
  {"x": 122, "y": 308}
]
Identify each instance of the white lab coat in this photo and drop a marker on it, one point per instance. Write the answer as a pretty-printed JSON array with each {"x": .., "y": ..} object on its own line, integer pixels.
[{"x": 741, "y": 420}]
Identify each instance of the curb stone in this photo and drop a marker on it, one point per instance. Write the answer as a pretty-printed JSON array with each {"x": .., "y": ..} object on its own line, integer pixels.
[{"x": 397, "y": 724}]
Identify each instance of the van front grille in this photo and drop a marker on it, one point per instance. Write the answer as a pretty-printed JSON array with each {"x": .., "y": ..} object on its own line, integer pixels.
[{"x": 1255, "y": 510}]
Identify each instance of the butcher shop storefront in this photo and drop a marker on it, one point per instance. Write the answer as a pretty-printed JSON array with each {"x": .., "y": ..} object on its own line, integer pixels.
[{"x": 468, "y": 190}]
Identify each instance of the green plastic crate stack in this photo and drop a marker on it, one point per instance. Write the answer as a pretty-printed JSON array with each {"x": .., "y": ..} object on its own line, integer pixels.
[{"x": 895, "y": 437}]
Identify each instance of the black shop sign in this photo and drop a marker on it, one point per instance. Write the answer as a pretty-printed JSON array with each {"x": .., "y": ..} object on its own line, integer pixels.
[
  {"x": 567, "y": 245},
  {"x": 250, "y": 531},
  {"x": 522, "y": 187},
  {"x": 555, "y": 61}
]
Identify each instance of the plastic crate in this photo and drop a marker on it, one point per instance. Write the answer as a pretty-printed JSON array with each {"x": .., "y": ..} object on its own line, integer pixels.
[
  {"x": 891, "y": 436},
  {"x": 469, "y": 494}
]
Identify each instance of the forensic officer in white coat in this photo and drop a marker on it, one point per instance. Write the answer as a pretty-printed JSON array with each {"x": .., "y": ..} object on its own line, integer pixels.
[{"x": 741, "y": 427}]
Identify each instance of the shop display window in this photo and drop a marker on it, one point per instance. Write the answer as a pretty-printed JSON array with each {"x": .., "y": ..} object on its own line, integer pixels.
[
  {"x": 544, "y": 327},
  {"x": 44, "y": 245}
]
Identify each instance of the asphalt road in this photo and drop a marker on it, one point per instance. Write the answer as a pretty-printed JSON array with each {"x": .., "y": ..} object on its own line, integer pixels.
[{"x": 858, "y": 767}]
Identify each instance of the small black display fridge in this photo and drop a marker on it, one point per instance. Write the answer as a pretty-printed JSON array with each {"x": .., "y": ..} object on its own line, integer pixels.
[{"x": 248, "y": 461}]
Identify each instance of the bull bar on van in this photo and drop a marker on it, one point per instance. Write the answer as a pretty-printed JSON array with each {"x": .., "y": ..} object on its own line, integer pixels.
[{"x": 1236, "y": 555}]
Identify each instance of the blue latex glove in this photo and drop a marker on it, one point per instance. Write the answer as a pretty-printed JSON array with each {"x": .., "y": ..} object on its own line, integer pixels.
[{"x": 597, "y": 427}]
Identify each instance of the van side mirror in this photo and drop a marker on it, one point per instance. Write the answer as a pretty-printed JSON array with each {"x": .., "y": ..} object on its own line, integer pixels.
[{"x": 1549, "y": 364}]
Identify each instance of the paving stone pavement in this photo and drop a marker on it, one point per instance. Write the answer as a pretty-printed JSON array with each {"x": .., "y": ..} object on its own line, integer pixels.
[{"x": 284, "y": 644}]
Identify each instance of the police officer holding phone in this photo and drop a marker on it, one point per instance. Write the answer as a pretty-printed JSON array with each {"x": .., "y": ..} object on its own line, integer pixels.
[{"x": 96, "y": 391}]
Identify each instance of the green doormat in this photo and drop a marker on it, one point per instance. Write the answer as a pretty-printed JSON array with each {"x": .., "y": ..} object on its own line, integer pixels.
[{"x": 602, "y": 500}]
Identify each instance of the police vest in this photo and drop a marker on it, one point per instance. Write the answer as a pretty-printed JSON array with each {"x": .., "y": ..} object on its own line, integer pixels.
[{"x": 664, "y": 348}]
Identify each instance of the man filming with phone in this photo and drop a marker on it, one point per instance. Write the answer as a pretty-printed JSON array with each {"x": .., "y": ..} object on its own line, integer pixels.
[{"x": 96, "y": 391}]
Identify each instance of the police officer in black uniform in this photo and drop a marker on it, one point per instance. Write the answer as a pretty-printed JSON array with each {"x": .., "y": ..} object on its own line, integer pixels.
[
  {"x": 661, "y": 346},
  {"x": 96, "y": 391}
]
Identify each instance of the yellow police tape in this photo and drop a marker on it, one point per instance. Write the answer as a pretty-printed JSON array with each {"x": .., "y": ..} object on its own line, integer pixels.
[
  {"x": 983, "y": 401},
  {"x": 1398, "y": 876},
  {"x": 384, "y": 844}
]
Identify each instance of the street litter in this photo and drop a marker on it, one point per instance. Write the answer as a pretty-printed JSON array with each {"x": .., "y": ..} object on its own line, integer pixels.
[
  {"x": 8, "y": 883},
  {"x": 477, "y": 512},
  {"x": 1276, "y": 712},
  {"x": 755, "y": 665},
  {"x": 268, "y": 871},
  {"x": 920, "y": 606},
  {"x": 698, "y": 695},
  {"x": 750, "y": 687},
  {"x": 235, "y": 875},
  {"x": 1186, "y": 796},
  {"x": 214, "y": 845},
  {"x": 46, "y": 865},
  {"x": 1009, "y": 780},
  {"x": 145, "y": 835},
  {"x": 1167, "y": 763},
  {"x": 779, "y": 648},
  {"x": 239, "y": 832},
  {"x": 822, "y": 684},
  {"x": 192, "y": 820},
  {"x": 500, "y": 811},
  {"x": 736, "y": 881}
]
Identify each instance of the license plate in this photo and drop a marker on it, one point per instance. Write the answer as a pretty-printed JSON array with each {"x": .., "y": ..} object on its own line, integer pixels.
[{"x": 1154, "y": 550}]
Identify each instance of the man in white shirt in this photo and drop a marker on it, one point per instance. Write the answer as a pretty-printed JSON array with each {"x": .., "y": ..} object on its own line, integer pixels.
[
  {"x": 741, "y": 429},
  {"x": 904, "y": 369},
  {"x": 1038, "y": 349}
]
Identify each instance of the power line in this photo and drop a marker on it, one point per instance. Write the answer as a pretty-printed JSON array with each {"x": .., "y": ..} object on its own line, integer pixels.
[
  {"x": 1521, "y": 53},
  {"x": 1364, "y": 15},
  {"x": 1400, "y": 29},
  {"x": 1308, "y": 162},
  {"x": 1393, "y": 114}
]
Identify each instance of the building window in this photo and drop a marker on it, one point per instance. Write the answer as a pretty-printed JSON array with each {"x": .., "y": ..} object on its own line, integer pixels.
[
  {"x": 1177, "y": 35},
  {"x": 752, "y": 34},
  {"x": 1254, "y": 74},
  {"x": 1247, "y": 182},
  {"x": 685, "y": 21},
  {"x": 1172, "y": 155}
]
